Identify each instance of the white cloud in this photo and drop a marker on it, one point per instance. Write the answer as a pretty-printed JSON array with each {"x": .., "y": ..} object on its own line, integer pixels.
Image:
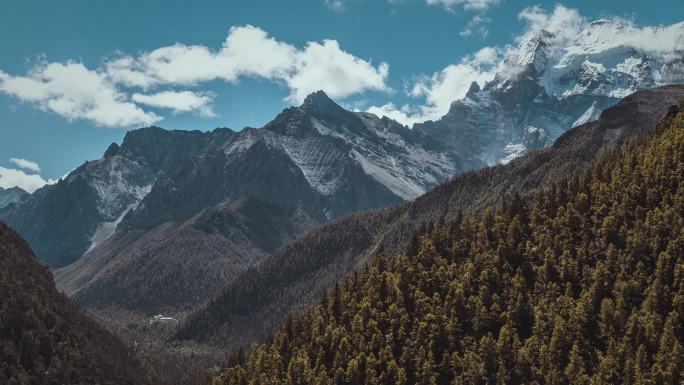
[
  {"x": 74, "y": 92},
  {"x": 26, "y": 164},
  {"x": 444, "y": 87},
  {"x": 666, "y": 40},
  {"x": 10, "y": 177},
  {"x": 247, "y": 51},
  {"x": 605, "y": 34},
  {"x": 404, "y": 114},
  {"x": 102, "y": 95},
  {"x": 452, "y": 83},
  {"x": 247, "y": 47},
  {"x": 178, "y": 101},
  {"x": 565, "y": 24},
  {"x": 177, "y": 64},
  {"x": 487, "y": 55},
  {"x": 573, "y": 33},
  {"x": 335, "y": 5},
  {"x": 478, "y": 24},
  {"x": 340, "y": 74},
  {"x": 250, "y": 51},
  {"x": 477, "y": 5}
]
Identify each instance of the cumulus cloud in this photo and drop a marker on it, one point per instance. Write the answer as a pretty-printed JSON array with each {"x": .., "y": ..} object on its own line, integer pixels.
[
  {"x": 25, "y": 164},
  {"x": 442, "y": 88},
  {"x": 316, "y": 66},
  {"x": 247, "y": 51},
  {"x": 10, "y": 177},
  {"x": 667, "y": 40},
  {"x": 113, "y": 94},
  {"x": 565, "y": 24},
  {"x": 478, "y": 5},
  {"x": 568, "y": 27},
  {"x": 178, "y": 101},
  {"x": 404, "y": 114},
  {"x": 340, "y": 74},
  {"x": 450, "y": 84},
  {"x": 75, "y": 92},
  {"x": 487, "y": 55}
]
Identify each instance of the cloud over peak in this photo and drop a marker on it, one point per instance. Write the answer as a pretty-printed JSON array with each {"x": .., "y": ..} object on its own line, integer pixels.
[
  {"x": 178, "y": 101},
  {"x": 75, "y": 92},
  {"x": 11, "y": 177},
  {"x": 567, "y": 37},
  {"x": 317, "y": 65}
]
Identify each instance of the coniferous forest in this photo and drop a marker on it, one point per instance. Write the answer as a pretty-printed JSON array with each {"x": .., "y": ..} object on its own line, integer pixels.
[{"x": 582, "y": 285}]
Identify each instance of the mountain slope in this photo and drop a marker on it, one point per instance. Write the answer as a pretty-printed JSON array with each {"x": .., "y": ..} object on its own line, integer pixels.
[
  {"x": 62, "y": 221},
  {"x": 222, "y": 210},
  {"x": 585, "y": 285},
  {"x": 549, "y": 83},
  {"x": 300, "y": 272},
  {"x": 44, "y": 338},
  {"x": 11, "y": 195}
]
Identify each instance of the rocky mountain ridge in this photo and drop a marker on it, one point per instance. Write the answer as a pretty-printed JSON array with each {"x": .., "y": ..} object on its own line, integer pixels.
[
  {"x": 297, "y": 274},
  {"x": 11, "y": 195}
]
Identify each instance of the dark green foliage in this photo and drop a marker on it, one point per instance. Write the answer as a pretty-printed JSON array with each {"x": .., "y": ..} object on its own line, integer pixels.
[
  {"x": 44, "y": 338},
  {"x": 583, "y": 286}
]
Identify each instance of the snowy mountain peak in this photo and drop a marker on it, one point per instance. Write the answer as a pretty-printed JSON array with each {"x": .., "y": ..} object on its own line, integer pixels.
[
  {"x": 11, "y": 195},
  {"x": 556, "y": 77},
  {"x": 292, "y": 122},
  {"x": 534, "y": 52}
]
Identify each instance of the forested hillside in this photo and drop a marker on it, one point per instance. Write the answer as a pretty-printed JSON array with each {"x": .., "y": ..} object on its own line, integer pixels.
[
  {"x": 583, "y": 285},
  {"x": 298, "y": 274},
  {"x": 46, "y": 339}
]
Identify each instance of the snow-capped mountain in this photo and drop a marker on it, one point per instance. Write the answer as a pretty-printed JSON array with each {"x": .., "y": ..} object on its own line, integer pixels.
[
  {"x": 11, "y": 195},
  {"x": 327, "y": 162},
  {"x": 550, "y": 83},
  {"x": 318, "y": 159},
  {"x": 607, "y": 59},
  {"x": 223, "y": 209}
]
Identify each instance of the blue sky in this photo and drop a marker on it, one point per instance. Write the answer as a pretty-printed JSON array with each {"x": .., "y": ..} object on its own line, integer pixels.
[{"x": 388, "y": 46}]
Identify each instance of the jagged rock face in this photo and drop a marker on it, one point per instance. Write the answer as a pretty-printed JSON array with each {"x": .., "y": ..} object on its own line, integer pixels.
[
  {"x": 64, "y": 220},
  {"x": 545, "y": 88},
  {"x": 318, "y": 158},
  {"x": 11, "y": 195},
  {"x": 222, "y": 210},
  {"x": 298, "y": 274}
]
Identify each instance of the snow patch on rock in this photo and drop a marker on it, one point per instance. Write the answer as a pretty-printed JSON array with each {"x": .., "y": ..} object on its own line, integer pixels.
[{"x": 591, "y": 114}]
